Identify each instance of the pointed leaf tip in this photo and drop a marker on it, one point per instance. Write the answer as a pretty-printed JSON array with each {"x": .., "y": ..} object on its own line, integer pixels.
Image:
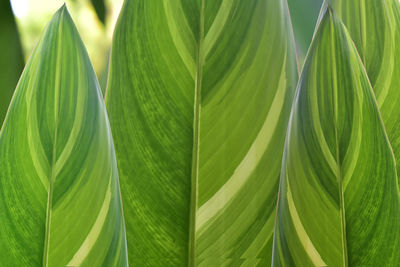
[
  {"x": 335, "y": 96},
  {"x": 59, "y": 81},
  {"x": 328, "y": 3},
  {"x": 326, "y": 10},
  {"x": 62, "y": 16},
  {"x": 62, "y": 8}
]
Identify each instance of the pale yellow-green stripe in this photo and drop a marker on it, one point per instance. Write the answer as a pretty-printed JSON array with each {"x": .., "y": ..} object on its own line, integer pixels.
[
  {"x": 219, "y": 200},
  {"x": 217, "y": 26},
  {"x": 171, "y": 9},
  {"x": 94, "y": 233},
  {"x": 301, "y": 232}
]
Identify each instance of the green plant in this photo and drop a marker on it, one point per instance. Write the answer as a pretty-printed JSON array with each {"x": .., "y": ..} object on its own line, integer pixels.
[
  {"x": 59, "y": 203},
  {"x": 199, "y": 98},
  {"x": 375, "y": 29},
  {"x": 339, "y": 199}
]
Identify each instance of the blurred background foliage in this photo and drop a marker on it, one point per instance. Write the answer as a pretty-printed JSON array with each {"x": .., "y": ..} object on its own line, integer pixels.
[{"x": 95, "y": 20}]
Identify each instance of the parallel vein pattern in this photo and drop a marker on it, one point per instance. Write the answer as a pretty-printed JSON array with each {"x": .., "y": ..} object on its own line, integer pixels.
[
  {"x": 59, "y": 194},
  {"x": 248, "y": 83},
  {"x": 221, "y": 73},
  {"x": 375, "y": 28},
  {"x": 339, "y": 200}
]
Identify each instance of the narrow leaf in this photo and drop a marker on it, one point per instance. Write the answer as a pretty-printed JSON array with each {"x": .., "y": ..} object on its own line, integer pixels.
[
  {"x": 338, "y": 200},
  {"x": 375, "y": 28},
  {"x": 59, "y": 195},
  {"x": 199, "y": 97},
  {"x": 11, "y": 57}
]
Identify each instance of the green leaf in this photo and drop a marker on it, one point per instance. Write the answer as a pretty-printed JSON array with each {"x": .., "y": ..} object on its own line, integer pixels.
[
  {"x": 199, "y": 98},
  {"x": 59, "y": 197},
  {"x": 304, "y": 14},
  {"x": 375, "y": 28},
  {"x": 339, "y": 199},
  {"x": 11, "y": 57}
]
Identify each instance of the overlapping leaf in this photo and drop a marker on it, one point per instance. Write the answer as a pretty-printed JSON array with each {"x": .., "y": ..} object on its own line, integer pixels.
[
  {"x": 59, "y": 196},
  {"x": 375, "y": 28},
  {"x": 339, "y": 199},
  {"x": 199, "y": 97}
]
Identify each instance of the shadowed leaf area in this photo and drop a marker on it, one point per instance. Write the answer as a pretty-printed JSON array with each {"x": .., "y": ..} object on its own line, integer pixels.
[{"x": 11, "y": 57}]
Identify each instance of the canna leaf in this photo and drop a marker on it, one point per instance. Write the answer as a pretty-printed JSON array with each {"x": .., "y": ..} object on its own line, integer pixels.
[
  {"x": 59, "y": 195},
  {"x": 11, "y": 57},
  {"x": 375, "y": 28},
  {"x": 199, "y": 97},
  {"x": 338, "y": 201}
]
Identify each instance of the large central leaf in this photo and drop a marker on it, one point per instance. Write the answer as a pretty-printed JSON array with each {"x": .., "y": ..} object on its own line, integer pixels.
[
  {"x": 339, "y": 199},
  {"x": 199, "y": 98},
  {"x": 59, "y": 197}
]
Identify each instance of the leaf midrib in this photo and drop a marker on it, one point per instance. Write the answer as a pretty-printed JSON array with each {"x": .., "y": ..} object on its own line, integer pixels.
[
  {"x": 56, "y": 118},
  {"x": 338, "y": 171},
  {"x": 196, "y": 143}
]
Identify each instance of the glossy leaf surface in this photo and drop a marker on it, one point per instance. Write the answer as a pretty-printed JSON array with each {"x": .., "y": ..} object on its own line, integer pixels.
[
  {"x": 199, "y": 97},
  {"x": 59, "y": 196},
  {"x": 339, "y": 199},
  {"x": 375, "y": 28},
  {"x": 11, "y": 57}
]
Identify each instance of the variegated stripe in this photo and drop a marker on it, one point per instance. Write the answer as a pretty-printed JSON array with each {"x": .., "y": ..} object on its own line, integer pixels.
[
  {"x": 59, "y": 196},
  {"x": 374, "y": 27},
  {"x": 94, "y": 233},
  {"x": 347, "y": 217},
  {"x": 199, "y": 153},
  {"x": 250, "y": 161}
]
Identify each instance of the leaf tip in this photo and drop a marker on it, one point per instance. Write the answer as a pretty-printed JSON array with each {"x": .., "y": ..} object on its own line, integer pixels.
[
  {"x": 62, "y": 14},
  {"x": 327, "y": 10},
  {"x": 328, "y": 4},
  {"x": 63, "y": 10},
  {"x": 63, "y": 7}
]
